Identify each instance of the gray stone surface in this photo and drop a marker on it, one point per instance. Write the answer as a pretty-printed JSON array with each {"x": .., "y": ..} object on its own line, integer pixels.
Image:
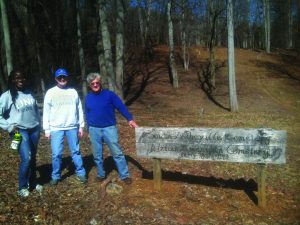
[{"x": 213, "y": 144}]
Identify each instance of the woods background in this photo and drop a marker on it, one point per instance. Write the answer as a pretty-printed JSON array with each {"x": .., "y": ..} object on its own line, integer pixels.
[
  {"x": 173, "y": 63},
  {"x": 108, "y": 35}
]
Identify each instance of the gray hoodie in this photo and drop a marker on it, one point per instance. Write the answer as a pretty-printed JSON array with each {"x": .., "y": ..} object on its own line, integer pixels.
[{"x": 24, "y": 114}]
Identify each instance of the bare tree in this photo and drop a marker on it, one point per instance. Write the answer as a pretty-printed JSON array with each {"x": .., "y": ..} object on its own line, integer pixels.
[
  {"x": 184, "y": 42},
  {"x": 242, "y": 24},
  {"x": 231, "y": 61},
  {"x": 101, "y": 61},
  {"x": 267, "y": 25},
  {"x": 250, "y": 33},
  {"x": 215, "y": 9},
  {"x": 290, "y": 24},
  {"x": 172, "y": 63},
  {"x": 144, "y": 25},
  {"x": 298, "y": 27},
  {"x": 106, "y": 45},
  {"x": 6, "y": 43},
  {"x": 141, "y": 24},
  {"x": 120, "y": 47},
  {"x": 80, "y": 50}
]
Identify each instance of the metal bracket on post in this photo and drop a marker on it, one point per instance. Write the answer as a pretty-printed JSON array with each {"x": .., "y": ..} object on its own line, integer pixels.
[
  {"x": 157, "y": 175},
  {"x": 261, "y": 185}
]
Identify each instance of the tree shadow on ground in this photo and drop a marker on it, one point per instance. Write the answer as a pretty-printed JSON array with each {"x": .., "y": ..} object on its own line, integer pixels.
[
  {"x": 205, "y": 83},
  {"x": 237, "y": 184},
  {"x": 289, "y": 56},
  {"x": 109, "y": 165},
  {"x": 275, "y": 67},
  {"x": 146, "y": 78},
  {"x": 249, "y": 187},
  {"x": 142, "y": 71}
]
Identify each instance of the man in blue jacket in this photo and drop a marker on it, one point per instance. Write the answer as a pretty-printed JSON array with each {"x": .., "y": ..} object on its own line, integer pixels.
[{"x": 100, "y": 106}]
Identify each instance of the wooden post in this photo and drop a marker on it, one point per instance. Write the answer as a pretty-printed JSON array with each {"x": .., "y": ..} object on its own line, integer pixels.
[
  {"x": 232, "y": 144},
  {"x": 261, "y": 185},
  {"x": 157, "y": 177}
]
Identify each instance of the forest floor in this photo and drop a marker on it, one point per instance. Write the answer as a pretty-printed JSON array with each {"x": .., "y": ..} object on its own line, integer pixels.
[{"x": 193, "y": 192}]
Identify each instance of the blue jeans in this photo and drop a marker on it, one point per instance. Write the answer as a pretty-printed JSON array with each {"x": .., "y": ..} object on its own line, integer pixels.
[
  {"x": 27, "y": 152},
  {"x": 57, "y": 145},
  {"x": 110, "y": 136}
]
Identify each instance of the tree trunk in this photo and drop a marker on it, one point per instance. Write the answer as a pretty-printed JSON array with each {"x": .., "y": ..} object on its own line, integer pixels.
[
  {"x": 298, "y": 26},
  {"x": 212, "y": 42},
  {"x": 80, "y": 50},
  {"x": 144, "y": 26},
  {"x": 185, "y": 54},
  {"x": 40, "y": 75},
  {"x": 290, "y": 25},
  {"x": 43, "y": 88},
  {"x": 141, "y": 24},
  {"x": 106, "y": 45},
  {"x": 231, "y": 61},
  {"x": 212, "y": 66},
  {"x": 249, "y": 39},
  {"x": 120, "y": 48},
  {"x": 3, "y": 85},
  {"x": 147, "y": 36},
  {"x": 6, "y": 42},
  {"x": 171, "y": 46},
  {"x": 267, "y": 26},
  {"x": 37, "y": 45},
  {"x": 101, "y": 61},
  {"x": 149, "y": 2},
  {"x": 32, "y": 59}
]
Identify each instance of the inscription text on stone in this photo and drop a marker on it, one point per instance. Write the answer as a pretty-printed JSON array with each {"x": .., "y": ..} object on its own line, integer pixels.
[{"x": 216, "y": 144}]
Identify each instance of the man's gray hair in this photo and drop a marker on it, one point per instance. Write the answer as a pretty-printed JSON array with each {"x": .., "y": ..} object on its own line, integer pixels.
[{"x": 92, "y": 76}]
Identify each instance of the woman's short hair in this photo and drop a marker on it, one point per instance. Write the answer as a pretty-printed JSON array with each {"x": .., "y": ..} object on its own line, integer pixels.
[{"x": 92, "y": 76}]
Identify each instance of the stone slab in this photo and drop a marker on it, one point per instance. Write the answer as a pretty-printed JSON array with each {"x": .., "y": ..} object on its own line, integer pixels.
[{"x": 242, "y": 145}]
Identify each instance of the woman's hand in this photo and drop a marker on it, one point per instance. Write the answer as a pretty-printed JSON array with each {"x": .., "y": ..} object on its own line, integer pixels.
[
  {"x": 15, "y": 130},
  {"x": 48, "y": 136},
  {"x": 80, "y": 132}
]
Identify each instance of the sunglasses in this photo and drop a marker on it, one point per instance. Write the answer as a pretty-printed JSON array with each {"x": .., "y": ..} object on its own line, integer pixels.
[{"x": 61, "y": 77}]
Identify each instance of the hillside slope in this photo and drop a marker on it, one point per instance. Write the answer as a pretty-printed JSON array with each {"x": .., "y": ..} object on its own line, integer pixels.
[{"x": 193, "y": 192}]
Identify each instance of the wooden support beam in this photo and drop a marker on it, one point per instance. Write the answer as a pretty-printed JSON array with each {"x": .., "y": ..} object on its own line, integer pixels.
[
  {"x": 157, "y": 175},
  {"x": 261, "y": 146},
  {"x": 261, "y": 185}
]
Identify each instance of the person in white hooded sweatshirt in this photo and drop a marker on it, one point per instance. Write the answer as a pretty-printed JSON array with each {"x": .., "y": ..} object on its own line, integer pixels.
[{"x": 63, "y": 117}]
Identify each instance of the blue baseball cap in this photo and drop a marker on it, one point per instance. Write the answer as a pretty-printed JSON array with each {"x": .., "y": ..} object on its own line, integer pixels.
[{"x": 61, "y": 72}]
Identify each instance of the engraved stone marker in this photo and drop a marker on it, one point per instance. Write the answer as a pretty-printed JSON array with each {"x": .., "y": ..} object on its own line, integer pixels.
[
  {"x": 213, "y": 144},
  {"x": 262, "y": 146}
]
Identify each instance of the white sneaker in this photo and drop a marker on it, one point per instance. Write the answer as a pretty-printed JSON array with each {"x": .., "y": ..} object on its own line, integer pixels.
[
  {"x": 24, "y": 193},
  {"x": 39, "y": 188}
]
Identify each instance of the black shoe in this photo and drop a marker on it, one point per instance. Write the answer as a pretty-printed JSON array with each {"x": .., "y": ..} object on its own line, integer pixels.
[
  {"x": 127, "y": 180},
  {"x": 99, "y": 179}
]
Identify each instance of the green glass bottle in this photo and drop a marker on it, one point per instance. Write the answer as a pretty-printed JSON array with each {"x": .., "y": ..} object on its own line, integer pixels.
[{"x": 16, "y": 140}]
